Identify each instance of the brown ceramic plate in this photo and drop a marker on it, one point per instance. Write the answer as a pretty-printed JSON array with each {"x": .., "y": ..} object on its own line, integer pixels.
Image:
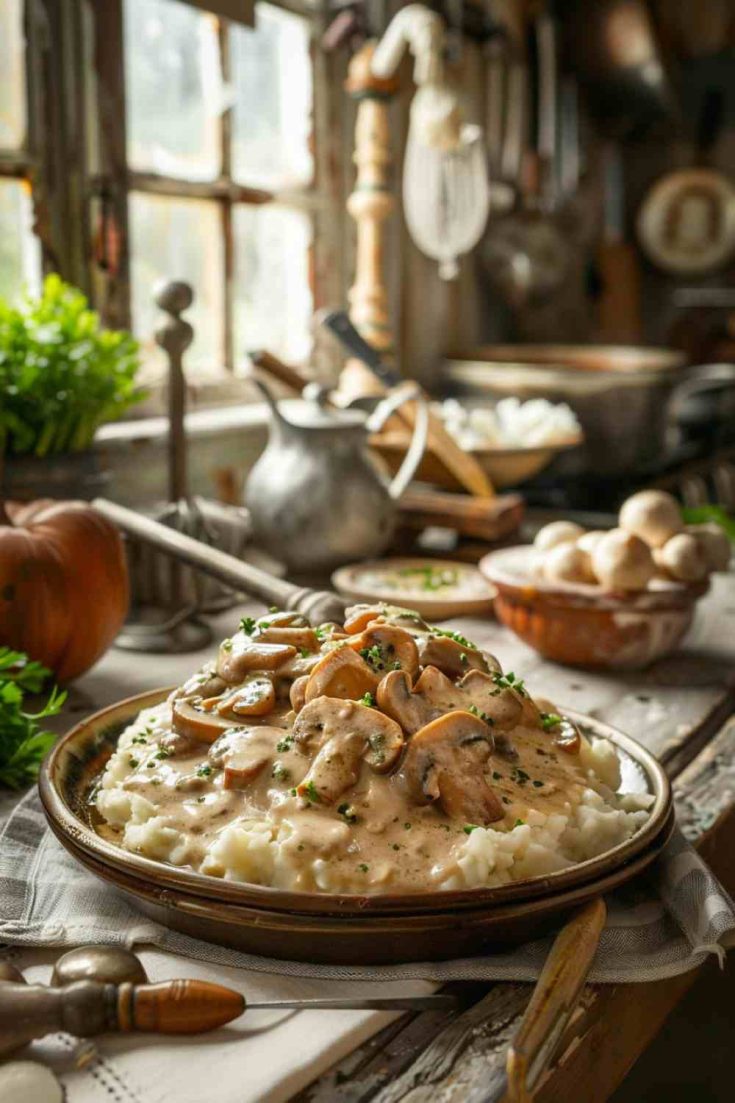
[
  {"x": 323, "y": 927},
  {"x": 435, "y": 588}
]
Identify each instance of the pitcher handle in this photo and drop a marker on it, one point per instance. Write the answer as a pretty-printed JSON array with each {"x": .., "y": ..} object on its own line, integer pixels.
[{"x": 406, "y": 392}]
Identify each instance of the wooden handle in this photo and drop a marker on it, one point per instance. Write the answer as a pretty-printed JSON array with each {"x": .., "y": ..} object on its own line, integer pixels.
[
  {"x": 177, "y": 1007},
  {"x": 291, "y": 377},
  {"x": 317, "y": 605},
  {"x": 553, "y": 1000},
  {"x": 481, "y": 518}
]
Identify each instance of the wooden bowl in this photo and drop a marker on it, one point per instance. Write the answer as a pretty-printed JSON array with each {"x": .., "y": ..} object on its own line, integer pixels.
[
  {"x": 582, "y": 625},
  {"x": 319, "y": 927},
  {"x": 504, "y": 466}
]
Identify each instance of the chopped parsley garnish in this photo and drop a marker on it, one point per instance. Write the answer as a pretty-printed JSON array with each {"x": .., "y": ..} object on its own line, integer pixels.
[
  {"x": 431, "y": 578},
  {"x": 363, "y": 867},
  {"x": 272, "y": 608},
  {"x": 456, "y": 636},
  {"x": 279, "y": 772},
  {"x": 347, "y": 812},
  {"x": 368, "y": 700},
  {"x": 509, "y": 681},
  {"x": 470, "y": 827},
  {"x": 537, "y": 784},
  {"x": 227, "y": 645},
  {"x": 550, "y": 720},
  {"x": 520, "y": 775},
  {"x": 292, "y": 792},
  {"x": 304, "y": 652},
  {"x": 310, "y": 792},
  {"x": 139, "y": 739},
  {"x": 162, "y": 753},
  {"x": 374, "y": 656},
  {"x": 463, "y": 659},
  {"x": 480, "y": 715},
  {"x": 248, "y": 625},
  {"x": 285, "y": 744},
  {"x": 134, "y": 761},
  {"x": 519, "y": 823},
  {"x": 204, "y": 770},
  {"x": 396, "y": 846},
  {"x": 407, "y": 826},
  {"x": 496, "y": 776}
]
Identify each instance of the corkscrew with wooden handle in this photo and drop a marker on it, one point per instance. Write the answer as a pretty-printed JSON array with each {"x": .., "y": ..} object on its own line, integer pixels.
[{"x": 104, "y": 990}]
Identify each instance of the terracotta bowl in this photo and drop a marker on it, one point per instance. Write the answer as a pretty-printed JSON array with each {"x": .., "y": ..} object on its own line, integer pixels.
[
  {"x": 587, "y": 626},
  {"x": 317, "y": 927}
]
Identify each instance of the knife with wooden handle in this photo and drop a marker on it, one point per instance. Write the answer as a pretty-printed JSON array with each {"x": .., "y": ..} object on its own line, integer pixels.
[{"x": 463, "y": 466}]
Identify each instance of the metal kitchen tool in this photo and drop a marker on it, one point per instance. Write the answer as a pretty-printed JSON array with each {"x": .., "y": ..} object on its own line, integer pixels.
[
  {"x": 315, "y": 497},
  {"x": 104, "y": 990},
  {"x": 167, "y": 598},
  {"x": 446, "y": 195}
]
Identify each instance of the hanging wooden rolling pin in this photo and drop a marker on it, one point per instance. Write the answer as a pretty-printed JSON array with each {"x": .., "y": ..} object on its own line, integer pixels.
[{"x": 370, "y": 204}]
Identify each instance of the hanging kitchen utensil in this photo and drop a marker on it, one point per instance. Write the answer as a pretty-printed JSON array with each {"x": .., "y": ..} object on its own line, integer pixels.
[
  {"x": 686, "y": 224},
  {"x": 619, "y": 304},
  {"x": 446, "y": 196},
  {"x": 618, "y": 58},
  {"x": 497, "y": 111},
  {"x": 525, "y": 254}
]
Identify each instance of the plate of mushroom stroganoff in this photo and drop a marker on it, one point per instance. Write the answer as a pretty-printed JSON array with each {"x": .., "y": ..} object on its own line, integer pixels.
[{"x": 384, "y": 756}]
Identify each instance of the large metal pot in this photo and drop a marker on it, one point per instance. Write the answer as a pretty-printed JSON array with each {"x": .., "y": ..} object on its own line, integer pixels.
[{"x": 621, "y": 394}]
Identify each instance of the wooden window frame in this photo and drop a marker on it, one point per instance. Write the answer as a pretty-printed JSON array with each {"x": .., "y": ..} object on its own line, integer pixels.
[
  {"x": 116, "y": 179},
  {"x": 76, "y": 101}
]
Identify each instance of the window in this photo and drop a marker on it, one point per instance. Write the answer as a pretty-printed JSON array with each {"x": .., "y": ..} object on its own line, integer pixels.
[
  {"x": 20, "y": 261},
  {"x": 144, "y": 140},
  {"x": 221, "y": 176}
]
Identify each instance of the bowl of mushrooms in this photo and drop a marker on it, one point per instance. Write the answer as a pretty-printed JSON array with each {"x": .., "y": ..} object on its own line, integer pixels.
[{"x": 618, "y": 598}]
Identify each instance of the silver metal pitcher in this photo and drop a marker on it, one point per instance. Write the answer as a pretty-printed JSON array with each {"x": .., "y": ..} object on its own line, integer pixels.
[{"x": 316, "y": 497}]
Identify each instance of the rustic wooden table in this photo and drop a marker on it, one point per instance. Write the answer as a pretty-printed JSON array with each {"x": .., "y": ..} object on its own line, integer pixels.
[{"x": 682, "y": 708}]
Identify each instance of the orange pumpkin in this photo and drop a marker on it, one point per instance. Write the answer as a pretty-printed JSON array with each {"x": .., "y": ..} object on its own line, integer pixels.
[{"x": 63, "y": 584}]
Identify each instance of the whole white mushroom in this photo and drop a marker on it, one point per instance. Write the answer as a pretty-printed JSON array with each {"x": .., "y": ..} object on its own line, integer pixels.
[
  {"x": 684, "y": 558},
  {"x": 714, "y": 542},
  {"x": 558, "y": 532},
  {"x": 622, "y": 561},
  {"x": 653, "y": 515},
  {"x": 589, "y": 540},
  {"x": 568, "y": 563}
]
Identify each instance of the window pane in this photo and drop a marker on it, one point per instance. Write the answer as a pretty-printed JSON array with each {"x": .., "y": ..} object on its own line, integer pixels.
[
  {"x": 178, "y": 239},
  {"x": 273, "y": 300},
  {"x": 12, "y": 75},
  {"x": 174, "y": 89},
  {"x": 271, "y": 74},
  {"x": 20, "y": 252}
]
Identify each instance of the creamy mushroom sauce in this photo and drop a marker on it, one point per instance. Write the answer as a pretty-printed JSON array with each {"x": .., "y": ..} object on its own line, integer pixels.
[{"x": 377, "y": 810}]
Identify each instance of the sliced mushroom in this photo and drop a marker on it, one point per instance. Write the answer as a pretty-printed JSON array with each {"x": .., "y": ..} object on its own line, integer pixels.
[
  {"x": 434, "y": 694},
  {"x": 297, "y": 693},
  {"x": 445, "y": 762},
  {"x": 206, "y": 683},
  {"x": 385, "y": 647},
  {"x": 344, "y": 733},
  {"x": 304, "y": 639},
  {"x": 243, "y": 654},
  {"x": 359, "y": 617},
  {"x": 566, "y": 737},
  {"x": 255, "y": 697},
  {"x": 189, "y": 719},
  {"x": 282, "y": 619},
  {"x": 414, "y": 708},
  {"x": 502, "y": 706},
  {"x": 341, "y": 673},
  {"x": 244, "y": 753},
  {"x": 451, "y": 657}
]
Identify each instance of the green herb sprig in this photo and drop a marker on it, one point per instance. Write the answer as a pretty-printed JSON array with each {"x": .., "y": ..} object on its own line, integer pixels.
[
  {"x": 23, "y": 741},
  {"x": 61, "y": 374}
]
